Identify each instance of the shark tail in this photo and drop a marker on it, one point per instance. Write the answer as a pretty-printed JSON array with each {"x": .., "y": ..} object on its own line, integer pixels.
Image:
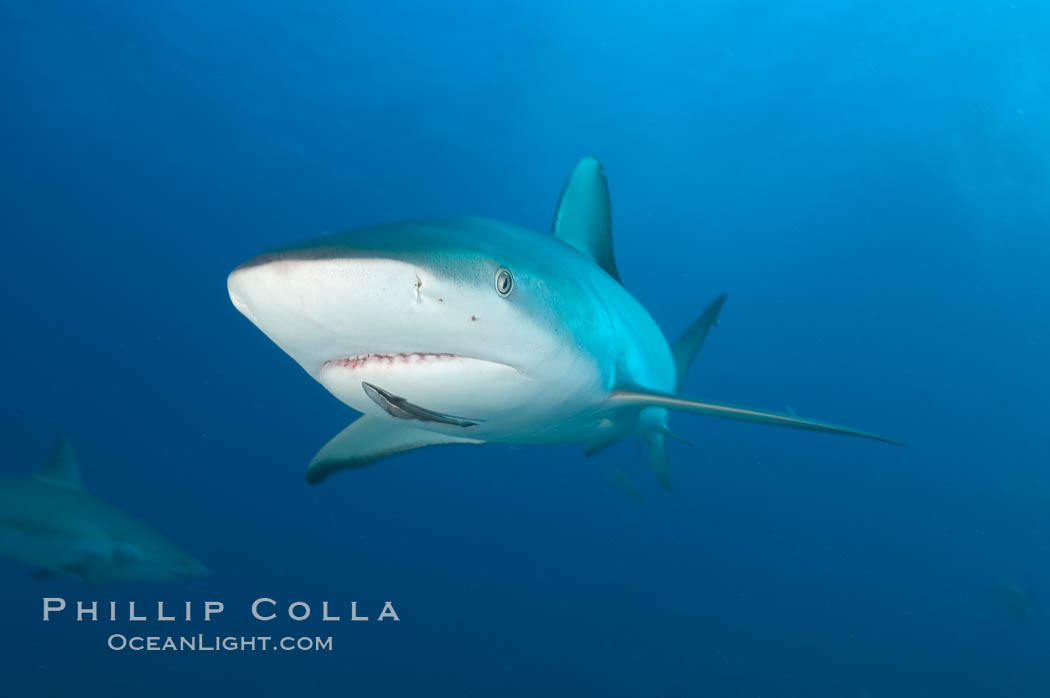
[
  {"x": 683, "y": 351},
  {"x": 657, "y": 445}
]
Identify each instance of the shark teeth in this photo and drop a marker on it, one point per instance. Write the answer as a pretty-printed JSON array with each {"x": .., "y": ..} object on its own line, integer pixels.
[{"x": 363, "y": 360}]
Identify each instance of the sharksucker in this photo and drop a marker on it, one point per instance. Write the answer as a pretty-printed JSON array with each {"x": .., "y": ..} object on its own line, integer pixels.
[{"x": 397, "y": 406}]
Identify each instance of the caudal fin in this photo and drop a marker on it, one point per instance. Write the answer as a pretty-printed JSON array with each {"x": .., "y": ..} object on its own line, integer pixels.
[{"x": 657, "y": 445}]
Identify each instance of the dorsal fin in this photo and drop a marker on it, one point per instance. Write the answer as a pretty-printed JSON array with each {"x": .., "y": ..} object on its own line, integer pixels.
[
  {"x": 582, "y": 218},
  {"x": 61, "y": 467}
]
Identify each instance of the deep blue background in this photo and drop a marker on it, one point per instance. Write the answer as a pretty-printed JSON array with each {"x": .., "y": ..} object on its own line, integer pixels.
[{"x": 869, "y": 181}]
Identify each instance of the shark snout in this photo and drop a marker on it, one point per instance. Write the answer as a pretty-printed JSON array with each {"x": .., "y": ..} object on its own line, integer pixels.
[
  {"x": 271, "y": 288},
  {"x": 239, "y": 284},
  {"x": 177, "y": 565},
  {"x": 153, "y": 559}
]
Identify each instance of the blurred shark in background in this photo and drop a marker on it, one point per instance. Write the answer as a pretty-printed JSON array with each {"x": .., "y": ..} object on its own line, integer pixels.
[
  {"x": 468, "y": 331},
  {"x": 50, "y": 522}
]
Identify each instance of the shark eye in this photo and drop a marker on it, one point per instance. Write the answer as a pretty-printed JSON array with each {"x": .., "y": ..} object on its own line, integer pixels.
[{"x": 504, "y": 282}]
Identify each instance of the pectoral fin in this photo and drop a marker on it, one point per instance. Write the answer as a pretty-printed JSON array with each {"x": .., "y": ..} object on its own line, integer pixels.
[
  {"x": 370, "y": 438},
  {"x": 639, "y": 397}
]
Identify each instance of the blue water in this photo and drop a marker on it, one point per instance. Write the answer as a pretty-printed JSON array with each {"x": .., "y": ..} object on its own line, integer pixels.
[{"x": 869, "y": 181}]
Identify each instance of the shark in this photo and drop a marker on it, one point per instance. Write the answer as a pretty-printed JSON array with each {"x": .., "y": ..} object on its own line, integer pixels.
[
  {"x": 50, "y": 522},
  {"x": 471, "y": 331},
  {"x": 1013, "y": 598}
]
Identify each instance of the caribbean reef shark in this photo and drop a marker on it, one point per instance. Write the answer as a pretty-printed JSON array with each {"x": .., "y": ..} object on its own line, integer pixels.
[
  {"x": 49, "y": 521},
  {"x": 470, "y": 331}
]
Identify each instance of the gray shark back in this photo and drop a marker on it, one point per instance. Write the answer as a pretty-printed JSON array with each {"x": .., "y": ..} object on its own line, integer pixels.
[{"x": 50, "y": 522}]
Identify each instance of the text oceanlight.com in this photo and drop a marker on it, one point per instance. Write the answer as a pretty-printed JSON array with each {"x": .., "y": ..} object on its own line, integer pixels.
[{"x": 203, "y": 643}]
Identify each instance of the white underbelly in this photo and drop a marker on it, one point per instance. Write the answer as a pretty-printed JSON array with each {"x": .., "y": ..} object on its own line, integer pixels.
[{"x": 503, "y": 403}]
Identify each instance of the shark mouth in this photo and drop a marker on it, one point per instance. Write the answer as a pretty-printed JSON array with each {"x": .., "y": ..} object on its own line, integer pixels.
[
  {"x": 370, "y": 360},
  {"x": 439, "y": 388},
  {"x": 408, "y": 358}
]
